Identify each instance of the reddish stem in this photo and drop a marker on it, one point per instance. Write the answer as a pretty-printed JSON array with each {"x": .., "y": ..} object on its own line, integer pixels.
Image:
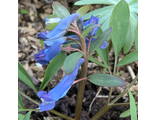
[
  {"x": 79, "y": 80},
  {"x": 74, "y": 49},
  {"x": 74, "y": 40},
  {"x": 90, "y": 39},
  {"x": 79, "y": 34}
]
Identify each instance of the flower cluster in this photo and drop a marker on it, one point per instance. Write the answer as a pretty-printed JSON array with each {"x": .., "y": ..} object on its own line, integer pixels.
[{"x": 53, "y": 41}]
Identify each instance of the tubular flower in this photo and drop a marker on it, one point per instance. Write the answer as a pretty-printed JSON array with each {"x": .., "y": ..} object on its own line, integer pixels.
[
  {"x": 53, "y": 40},
  {"x": 49, "y": 99}
]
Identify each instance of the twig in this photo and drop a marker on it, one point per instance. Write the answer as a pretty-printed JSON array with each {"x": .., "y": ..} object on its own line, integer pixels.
[
  {"x": 131, "y": 71},
  {"x": 94, "y": 99},
  {"x": 79, "y": 80}
]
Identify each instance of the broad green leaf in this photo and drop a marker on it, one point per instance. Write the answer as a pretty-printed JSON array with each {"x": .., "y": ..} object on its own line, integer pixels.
[
  {"x": 52, "y": 68},
  {"x": 52, "y": 16},
  {"x": 27, "y": 116},
  {"x": 88, "y": 29},
  {"x": 106, "y": 80},
  {"x": 23, "y": 11},
  {"x": 98, "y": 42},
  {"x": 20, "y": 117},
  {"x": 136, "y": 38},
  {"x": 71, "y": 61},
  {"x": 133, "y": 56},
  {"x": 130, "y": 37},
  {"x": 20, "y": 103},
  {"x": 70, "y": 43},
  {"x": 60, "y": 10},
  {"x": 83, "y": 2},
  {"x": 83, "y": 10},
  {"x": 51, "y": 26},
  {"x": 96, "y": 61},
  {"x": 120, "y": 22},
  {"x": 42, "y": 42},
  {"x": 103, "y": 53},
  {"x": 99, "y": 12},
  {"x": 133, "y": 6},
  {"x": 127, "y": 113},
  {"x": 132, "y": 107},
  {"x": 24, "y": 76}
]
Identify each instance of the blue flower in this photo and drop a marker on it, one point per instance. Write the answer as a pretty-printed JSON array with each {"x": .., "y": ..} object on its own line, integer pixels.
[
  {"x": 47, "y": 54},
  {"x": 53, "y": 40},
  {"x": 49, "y": 99}
]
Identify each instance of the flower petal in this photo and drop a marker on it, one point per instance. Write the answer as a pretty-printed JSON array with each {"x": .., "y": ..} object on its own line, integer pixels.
[
  {"x": 104, "y": 45},
  {"x": 62, "y": 88},
  {"x": 47, "y": 106}
]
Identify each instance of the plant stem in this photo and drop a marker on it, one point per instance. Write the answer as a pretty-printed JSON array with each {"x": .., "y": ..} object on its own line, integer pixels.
[
  {"x": 119, "y": 96},
  {"x": 118, "y": 104},
  {"x": 61, "y": 115},
  {"x": 70, "y": 30},
  {"x": 115, "y": 65},
  {"x": 90, "y": 39},
  {"x": 73, "y": 49},
  {"x": 74, "y": 40},
  {"x": 82, "y": 83},
  {"x": 28, "y": 97}
]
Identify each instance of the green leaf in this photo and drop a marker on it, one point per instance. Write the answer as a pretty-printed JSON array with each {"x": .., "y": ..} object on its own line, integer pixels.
[
  {"x": 132, "y": 107},
  {"x": 120, "y": 22},
  {"x": 20, "y": 103},
  {"x": 130, "y": 37},
  {"x": 88, "y": 29},
  {"x": 99, "y": 41},
  {"x": 22, "y": 109},
  {"x": 103, "y": 53},
  {"x": 60, "y": 10},
  {"x": 52, "y": 68},
  {"x": 27, "y": 116},
  {"x": 71, "y": 61},
  {"x": 23, "y": 11},
  {"x": 136, "y": 38},
  {"x": 96, "y": 61},
  {"x": 83, "y": 2},
  {"x": 42, "y": 42},
  {"x": 51, "y": 26},
  {"x": 126, "y": 113},
  {"x": 106, "y": 80},
  {"x": 133, "y": 56},
  {"x": 24, "y": 76},
  {"x": 70, "y": 43},
  {"x": 83, "y": 10},
  {"x": 133, "y": 6},
  {"x": 20, "y": 117},
  {"x": 52, "y": 16}
]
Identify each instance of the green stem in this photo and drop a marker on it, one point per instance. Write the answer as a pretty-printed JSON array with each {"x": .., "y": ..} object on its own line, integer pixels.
[
  {"x": 118, "y": 104},
  {"x": 28, "y": 97},
  {"x": 61, "y": 115},
  {"x": 115, "y": 65},
  {"x": 119, "y": 96}
]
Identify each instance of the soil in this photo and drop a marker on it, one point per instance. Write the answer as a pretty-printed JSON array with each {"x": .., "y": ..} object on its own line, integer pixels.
[{"x": 28, "y": 45}]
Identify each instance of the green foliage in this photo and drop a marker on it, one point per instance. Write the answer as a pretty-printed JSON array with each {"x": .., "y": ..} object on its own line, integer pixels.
[
  {"x": 96, "y": 61},
  {"x": 133, "y": 56},
  {"x": 88, "y": 29},
  {"x": 83, "y": 10},
  {"x": 99, "y": 41},
  {"x": 23, "y": 11},
  {"x": 52, "y": 68},
  {"x": 20, "y": 117},
  {"x": 105, "y": 13},
  {"x": 24, "y": 76},
  {"x": 42, "y": 42},
  {"x": 20, "y": 103},
  {"x": 132, "y": 107},
  {"x": 27, "y": 116},
  {"x": 103, "y": 53},
  {"x": 60, "y": 10},
  {"x": 71, "y": 61},
  {"x": 127, "y": 113},
  {"x": 51, "y": 26},
  {"x": 136, "y": 38},
  {"x": 120, "y": 22},
  {"x": 106, "y": 80}
]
